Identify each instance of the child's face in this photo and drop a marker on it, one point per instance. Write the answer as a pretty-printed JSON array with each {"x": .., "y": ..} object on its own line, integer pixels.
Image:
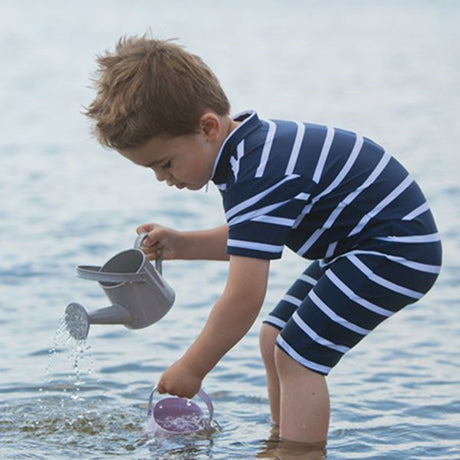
[{"x": 183, "y": 161}]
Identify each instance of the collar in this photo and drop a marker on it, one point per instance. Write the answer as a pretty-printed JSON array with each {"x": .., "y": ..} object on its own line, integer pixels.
[{"x": 249, "y": 122}]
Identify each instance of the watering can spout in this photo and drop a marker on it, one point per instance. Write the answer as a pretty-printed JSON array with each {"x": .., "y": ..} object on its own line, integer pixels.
[{"x": 78, "y": 320}]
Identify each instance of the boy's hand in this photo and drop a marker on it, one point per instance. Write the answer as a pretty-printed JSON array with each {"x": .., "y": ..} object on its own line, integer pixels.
[
  {"x": 180, "y": 380},
  {"x": 160, "y": 241}
]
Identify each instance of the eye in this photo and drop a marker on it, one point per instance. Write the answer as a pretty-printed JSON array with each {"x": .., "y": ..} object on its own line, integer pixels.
[{"x": 166, "y": 165}]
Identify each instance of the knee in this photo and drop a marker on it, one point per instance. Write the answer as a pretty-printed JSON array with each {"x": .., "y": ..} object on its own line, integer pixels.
[
  {"x": 282, "y": 361},
  {"x": 267, "y": 339},
  {"x": 285, "y": 365},
  {"x": 288, "y": 368}
]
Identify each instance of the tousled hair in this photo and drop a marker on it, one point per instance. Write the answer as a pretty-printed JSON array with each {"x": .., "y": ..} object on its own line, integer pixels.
[{"x": 148, "y": 88}]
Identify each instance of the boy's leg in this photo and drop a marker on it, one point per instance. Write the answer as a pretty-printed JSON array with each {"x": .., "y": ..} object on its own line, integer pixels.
[
  {"x": 272, "y": 326},
  {"x": 268, "y": 335},
  {"x": 356, "y": 293},
  {"x": 304, "y": 401}
]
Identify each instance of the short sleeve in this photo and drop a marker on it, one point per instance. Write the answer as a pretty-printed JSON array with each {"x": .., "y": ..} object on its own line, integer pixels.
[{"x": 261, "y": 215}]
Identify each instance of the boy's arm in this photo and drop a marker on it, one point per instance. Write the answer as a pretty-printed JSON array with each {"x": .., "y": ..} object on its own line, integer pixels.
[
  {"x": 229, "y": 320},
  {"x": 172, "y": 244},
  {"x": 205, "y": 244}
]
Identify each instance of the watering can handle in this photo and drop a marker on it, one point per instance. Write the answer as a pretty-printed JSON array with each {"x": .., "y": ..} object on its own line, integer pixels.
[
  {"x": 158, "y": 261},
  {"x": 201, "y": 394}
]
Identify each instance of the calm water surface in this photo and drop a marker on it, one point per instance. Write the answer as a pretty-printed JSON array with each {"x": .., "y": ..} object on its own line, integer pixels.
[{"x": 387, "y": 69}]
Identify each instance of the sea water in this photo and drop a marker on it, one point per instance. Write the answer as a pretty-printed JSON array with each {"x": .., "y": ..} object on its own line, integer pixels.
[{"x": 389, "y": 70}]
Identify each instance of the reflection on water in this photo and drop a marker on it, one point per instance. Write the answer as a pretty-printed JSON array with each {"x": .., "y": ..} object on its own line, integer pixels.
[{"x": 386, "y": 69}]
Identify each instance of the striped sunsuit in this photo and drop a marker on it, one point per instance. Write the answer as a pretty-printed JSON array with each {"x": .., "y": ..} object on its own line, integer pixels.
[{"x": 337, "y": 198}]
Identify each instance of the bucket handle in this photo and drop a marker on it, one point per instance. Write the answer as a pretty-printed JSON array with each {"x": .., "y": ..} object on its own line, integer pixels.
[{"x": 201, "y": 394}]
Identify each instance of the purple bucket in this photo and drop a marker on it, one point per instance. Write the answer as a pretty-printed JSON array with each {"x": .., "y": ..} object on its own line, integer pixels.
[{"x": 174, "y": 415}]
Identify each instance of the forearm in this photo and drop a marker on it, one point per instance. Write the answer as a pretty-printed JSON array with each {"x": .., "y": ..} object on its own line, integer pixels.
[
  {"x": 204, "y": 244},
  {"x": 221, "y": 333},
  {"x": 230, "y": 319}
]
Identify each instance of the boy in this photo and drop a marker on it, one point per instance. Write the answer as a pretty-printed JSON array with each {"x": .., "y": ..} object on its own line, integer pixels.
[{"x": 328, "y": 194}]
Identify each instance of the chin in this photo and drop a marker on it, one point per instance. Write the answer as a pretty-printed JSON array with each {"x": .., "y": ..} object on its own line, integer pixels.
[{"x": 194, "y": 187}]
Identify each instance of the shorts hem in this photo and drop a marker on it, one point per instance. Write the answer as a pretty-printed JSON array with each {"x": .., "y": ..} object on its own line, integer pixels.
[{"x": 311, "y": 365}]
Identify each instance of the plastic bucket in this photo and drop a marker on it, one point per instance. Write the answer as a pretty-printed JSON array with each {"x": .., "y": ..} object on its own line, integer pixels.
[{"x": 174, "y": 415}]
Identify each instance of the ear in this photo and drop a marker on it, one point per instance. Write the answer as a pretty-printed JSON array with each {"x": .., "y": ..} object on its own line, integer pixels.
[{"x": 210, "y": 126}]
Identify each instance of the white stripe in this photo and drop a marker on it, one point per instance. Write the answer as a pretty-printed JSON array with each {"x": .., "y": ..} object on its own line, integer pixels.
[
  {"x": 334, "y": 184},
  {"x": 255, "y": 246},
  {"x": 355, "y": 297},
  {"x": 296, "y": 148},
  {"x": 302, "y": 196},
  {"x": 315, "y": 337},
  {"x": 235, "y": 163},
  {"x": 323, "y": 155},
  {"x": 254, "y": 199},
  {"x": 276, "y": 321},
  {"x": 252, "y": 215},
  {"x": 417, "y": 211},
  {"x": 429, "y": 238},
  {"x": 334, "y": 316},
  {"x": 302, "y": 215},
  {"x": 292, "y": 300},
  {"x": 331, "y": 249},
  {"x": 313, "y": 237},
  {"x": 344, "y": 171},
  {"x": 385, "y": 202},
  {"x": 266, "y": 150},
  {"x": 300, "y": 359},
  {"x": 386, "y": 157},
  {"x": 350, "y": 197},
  {"x": 282, "y": 221},
  {"x": 250, "y": 115},
  {"x": 397, "y": 259},
  {"x": 308, "y": 279},
  {"x": 382, "y": 281},
  {"x": 222, "y": 187}
]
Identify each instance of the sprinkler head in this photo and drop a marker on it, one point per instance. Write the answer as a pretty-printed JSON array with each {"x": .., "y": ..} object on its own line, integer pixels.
[{"x": 77, "y": 321}]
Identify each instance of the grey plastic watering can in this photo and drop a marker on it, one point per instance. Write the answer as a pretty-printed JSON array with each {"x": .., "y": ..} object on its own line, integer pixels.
[{"x": 139, "y": 294}]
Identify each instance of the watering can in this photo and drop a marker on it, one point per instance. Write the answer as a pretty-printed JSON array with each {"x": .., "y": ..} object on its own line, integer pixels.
[
  {"x": 174, "y": 415},
  {"x": 139, "y": 294}
]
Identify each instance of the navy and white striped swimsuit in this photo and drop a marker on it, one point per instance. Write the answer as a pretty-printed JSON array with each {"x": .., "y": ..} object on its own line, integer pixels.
[{"x": 337, "y": 198}]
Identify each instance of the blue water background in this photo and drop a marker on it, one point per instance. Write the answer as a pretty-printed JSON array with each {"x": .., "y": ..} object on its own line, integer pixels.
[{"x": 388, "y": 69}]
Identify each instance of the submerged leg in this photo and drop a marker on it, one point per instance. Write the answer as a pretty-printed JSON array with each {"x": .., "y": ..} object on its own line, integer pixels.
[
  {"x": 304, "y": 401},
  {"x": 268, "y": 335}
]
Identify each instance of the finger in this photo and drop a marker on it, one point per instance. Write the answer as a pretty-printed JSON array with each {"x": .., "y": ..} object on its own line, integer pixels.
[
  {"x": 152, "y": 252},
  {"x": 160, "y": 388},
  {"x": 145, "y": 228},
  {"x": 151, "y": 239}
]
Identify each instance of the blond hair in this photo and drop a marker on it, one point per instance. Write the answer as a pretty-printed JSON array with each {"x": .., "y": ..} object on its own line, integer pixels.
[{"x": 150, "y": 88}]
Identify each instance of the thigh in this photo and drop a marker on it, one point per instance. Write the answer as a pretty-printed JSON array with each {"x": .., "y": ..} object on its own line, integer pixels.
[
  {"x": 352, "y": 297},
  {"x": 294, "y": 296}
]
